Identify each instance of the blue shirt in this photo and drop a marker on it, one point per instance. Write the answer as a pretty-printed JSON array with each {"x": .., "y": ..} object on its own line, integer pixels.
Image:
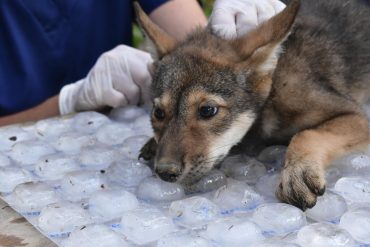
[{"x": 46, "y": 44}]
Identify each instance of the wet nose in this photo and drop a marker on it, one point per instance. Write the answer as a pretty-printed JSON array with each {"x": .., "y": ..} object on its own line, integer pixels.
[{"x": 168, "y": 172}]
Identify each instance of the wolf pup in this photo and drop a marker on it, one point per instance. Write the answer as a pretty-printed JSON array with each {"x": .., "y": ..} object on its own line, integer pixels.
[{"x": 299, "y": 79}]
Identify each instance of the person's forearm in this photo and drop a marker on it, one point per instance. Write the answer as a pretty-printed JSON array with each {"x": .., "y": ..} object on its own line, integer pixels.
[
  {"x": 179, "y": 17},
  {"x": 48, "y": 108}
]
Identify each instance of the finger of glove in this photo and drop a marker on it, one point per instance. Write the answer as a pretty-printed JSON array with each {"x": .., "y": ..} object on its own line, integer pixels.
[
  {"x": 125, "y": 85},
  {"x": 223, "y": 23},
  {"x": 88, "y": 96},
  {"x": 246, "y": 21},
  {"x": 116, "y": 77},
  {"x": 130, "y": 72},
  {"x": 265, "y": 11},
  {"x": 243, "y": 15},
  {"x": 102, "y": 93},
  {"x": 277, "y": 5},
  {"x": 114, "y": 98},
  {"x": 69, "y": 96},
  {"x": 139, "y": 72},
  {"x": 99, "y": 90},
  {"x": 144, "y": 87},
  {"x": 126, "y": 68},
  {"x": 145, "y": 92}
]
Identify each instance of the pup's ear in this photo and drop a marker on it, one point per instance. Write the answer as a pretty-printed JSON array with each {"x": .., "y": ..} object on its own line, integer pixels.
[
  {"x": 260, "y": 48},
  {"x": 163, "y": 42}
]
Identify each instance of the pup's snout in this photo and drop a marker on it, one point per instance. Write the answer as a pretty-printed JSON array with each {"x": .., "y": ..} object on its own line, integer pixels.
[{"x": 168, "y": 172}]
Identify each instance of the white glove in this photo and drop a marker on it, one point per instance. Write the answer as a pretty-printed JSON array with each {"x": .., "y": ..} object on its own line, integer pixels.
[
  {"x": 234, "y": 18},
  {"x": 119, "y": 77}
]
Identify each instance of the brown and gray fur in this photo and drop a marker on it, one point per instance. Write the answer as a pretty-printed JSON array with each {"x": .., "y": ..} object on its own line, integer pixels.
[{"x": 297, "y": 79}]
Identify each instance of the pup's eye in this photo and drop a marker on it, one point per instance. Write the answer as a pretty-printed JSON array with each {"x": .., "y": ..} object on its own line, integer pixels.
[
  {"x": 159, "y": 113},
  {"x": 207, "y": 111}
]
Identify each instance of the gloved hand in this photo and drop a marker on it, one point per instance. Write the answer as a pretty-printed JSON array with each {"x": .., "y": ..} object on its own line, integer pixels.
[
  {"x": 119, "y": 77},
  {"x": 234, "y": 18}
]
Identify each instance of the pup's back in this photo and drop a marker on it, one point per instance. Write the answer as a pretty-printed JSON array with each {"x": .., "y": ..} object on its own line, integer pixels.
[{"x": 331, "y": 45}]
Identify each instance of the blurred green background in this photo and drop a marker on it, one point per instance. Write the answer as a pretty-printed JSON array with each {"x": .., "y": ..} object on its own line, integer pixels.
[
  {"x": 207, "y": 6},
  {"x": 138, "y": 37}
]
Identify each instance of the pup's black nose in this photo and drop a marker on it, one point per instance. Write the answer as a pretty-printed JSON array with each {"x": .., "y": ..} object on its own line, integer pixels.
[{"x": 168, "y": 172}]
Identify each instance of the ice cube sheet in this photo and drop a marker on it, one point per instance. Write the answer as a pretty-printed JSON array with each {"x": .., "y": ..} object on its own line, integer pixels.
[{"x": 79, "y": 181}]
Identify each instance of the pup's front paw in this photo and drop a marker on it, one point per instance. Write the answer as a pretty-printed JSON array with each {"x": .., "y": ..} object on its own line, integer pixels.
[
  {"x": 149, "y": 150},
  {"x": 301, "y": 183}
]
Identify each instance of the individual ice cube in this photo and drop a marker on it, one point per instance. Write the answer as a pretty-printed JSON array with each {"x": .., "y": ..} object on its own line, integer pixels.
[
  {"x": 275, "y": 243},
  {"x": 126, "y": 114},
  {"x": 88, "y": 122},
  {"x": 113, "y": 133},
  {"x": 95, "y": 236},
  {"x": 267, "y": 185},
  {"x": 28, "y": 127},
  {"x": 193, "y": 211},
  {"x": 99, "y": 157},
  {"x": 236, "y": 196},
  {"x": 142, "y": 126},
  {"x": 212, "y": 181},
  {"x": 132, "y": 145},
  {"x": 357, "y": 223},
  {"x": 278, "y": 218},
  {"x": 58, "y": 219},
  {"x": 329, "y": 207},
  {"x": 55, "y": 166},
  {"x": 273, "y": 157},
  {"x": 108, "y": 205},
  {"x": 290, "y": 238},
  {"x": 356, "y": 205},
  {"x": 331, "y": 176},
  {"x": 11, "y": 135},
  {"x": 324, "y": 235},
  {"x": 243, "y": 168},
  {"x": 73, "y": 142},
  {"x": 53, "y": 127},
  {"x": 11, "y": 176},
  {"x": 234, "y": 232},
  {"x": 181, "y": 239},
  {"x": 128, "y": 172},
  {"x": 29, "y": 152},
  {"x": 354, "y": 165},
  {"x": 4, "y": 160},
  {"x": 30, "y": 198},
  {"x": 145, "y": 225},
  {"x": 153, "y": 189},
  {"x": 354, "y": 189},
  {"x": 79, "y": 185}
]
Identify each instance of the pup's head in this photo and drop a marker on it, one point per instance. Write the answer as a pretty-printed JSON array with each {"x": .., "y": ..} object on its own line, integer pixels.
[{"x": 208, "y": 92}]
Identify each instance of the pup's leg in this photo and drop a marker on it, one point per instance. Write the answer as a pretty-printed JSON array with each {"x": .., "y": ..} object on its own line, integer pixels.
[{"x": 312, "y": 150}]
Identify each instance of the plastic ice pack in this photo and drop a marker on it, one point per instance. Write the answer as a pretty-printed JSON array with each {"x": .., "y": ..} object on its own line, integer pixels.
[{"x": 78, "y": 179}]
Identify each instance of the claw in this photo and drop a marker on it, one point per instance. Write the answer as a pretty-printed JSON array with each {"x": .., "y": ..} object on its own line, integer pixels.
[{"x": 300, "y": 185}]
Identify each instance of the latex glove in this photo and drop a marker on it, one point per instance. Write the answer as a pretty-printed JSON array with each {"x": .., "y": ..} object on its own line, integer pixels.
[
  {"x": 234, "y": 18},
  {"x": 119, "y": 77}
]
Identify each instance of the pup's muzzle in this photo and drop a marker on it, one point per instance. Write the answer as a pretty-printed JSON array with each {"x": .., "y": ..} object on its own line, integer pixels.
[{"x": 168, "y": 171}]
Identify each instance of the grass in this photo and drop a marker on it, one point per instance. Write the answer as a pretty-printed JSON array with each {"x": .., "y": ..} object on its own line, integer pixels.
[{"x": 138, "y": 36}]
